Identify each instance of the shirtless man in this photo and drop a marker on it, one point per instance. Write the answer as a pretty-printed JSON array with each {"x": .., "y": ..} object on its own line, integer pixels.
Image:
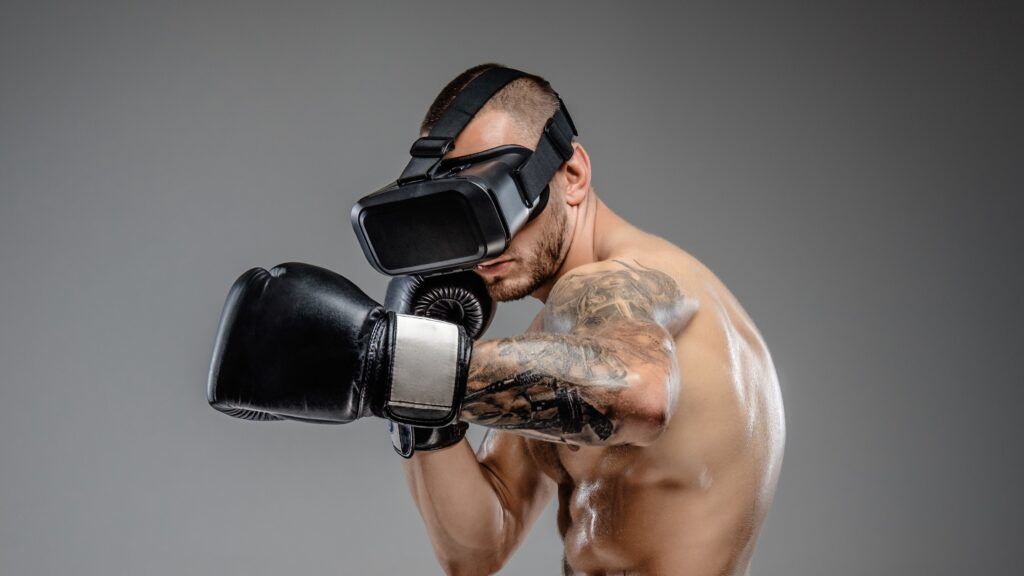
[
  {"x": 675, "y": 464},
  {"x": 642, "y": 394}
]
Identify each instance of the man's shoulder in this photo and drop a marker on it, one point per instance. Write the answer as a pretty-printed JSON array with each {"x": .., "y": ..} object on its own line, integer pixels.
[
  {"x": 656, "y": 253},
  {"x": 621, "y": 274},
  {"x": 647, "y": 260},
  {"x": 694, "y": 278},
  {"x": 639, "y": 250},
  {"x": 624, "y": 288}
]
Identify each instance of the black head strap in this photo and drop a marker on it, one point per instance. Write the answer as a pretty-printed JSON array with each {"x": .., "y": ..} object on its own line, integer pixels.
[{"x": 553, "y": 148}]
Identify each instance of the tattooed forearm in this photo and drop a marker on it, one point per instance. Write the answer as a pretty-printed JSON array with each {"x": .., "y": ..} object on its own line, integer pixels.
[
  {"x": 606, "y": 335},
  {"x": 556, "y": 387},
  {"x": 539, "y": 403}
]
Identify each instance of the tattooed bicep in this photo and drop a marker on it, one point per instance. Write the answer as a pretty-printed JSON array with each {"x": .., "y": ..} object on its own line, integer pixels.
[
  {"x": 602, "y": 370},
  {"x": 592, "y": 301}
]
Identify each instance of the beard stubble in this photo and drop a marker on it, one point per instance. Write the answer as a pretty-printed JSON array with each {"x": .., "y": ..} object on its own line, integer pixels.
[{"x": 541, "y": 265}]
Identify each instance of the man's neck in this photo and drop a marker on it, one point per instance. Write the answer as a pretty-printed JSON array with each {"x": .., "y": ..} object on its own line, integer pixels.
[{"x": 590, "y": 224}]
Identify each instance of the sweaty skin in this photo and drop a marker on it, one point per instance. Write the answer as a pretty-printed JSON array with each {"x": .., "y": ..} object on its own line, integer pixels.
[{"x": 642, "y": 395}]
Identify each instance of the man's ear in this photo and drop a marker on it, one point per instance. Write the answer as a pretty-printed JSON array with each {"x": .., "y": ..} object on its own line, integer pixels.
[{"x": 577, "y": 175}]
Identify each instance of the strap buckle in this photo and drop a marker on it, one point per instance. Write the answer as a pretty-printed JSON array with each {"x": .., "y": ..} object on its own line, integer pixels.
[
  {"x": 431, "y": 147},
  {"x": 560, "y": 140}
]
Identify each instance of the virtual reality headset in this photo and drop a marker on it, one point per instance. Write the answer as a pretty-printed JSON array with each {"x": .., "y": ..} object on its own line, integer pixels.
[{"x": 451, "y": 214}]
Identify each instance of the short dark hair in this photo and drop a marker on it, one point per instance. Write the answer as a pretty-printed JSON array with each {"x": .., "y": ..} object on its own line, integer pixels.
[{"x": 529, "y": 100}]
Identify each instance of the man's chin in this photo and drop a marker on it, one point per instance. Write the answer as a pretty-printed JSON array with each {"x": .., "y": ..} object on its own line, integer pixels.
[{"x": 505, "y": 289}]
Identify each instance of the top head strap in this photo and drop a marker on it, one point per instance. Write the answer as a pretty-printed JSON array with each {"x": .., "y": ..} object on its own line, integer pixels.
[
  {"x": 553, "y": 148},
  {"x": 471, "y": 99}
]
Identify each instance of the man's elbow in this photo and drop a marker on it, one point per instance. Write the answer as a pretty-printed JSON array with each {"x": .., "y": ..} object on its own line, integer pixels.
[
  {"x": 652, "y": 408},
  {"x": 486, "y": 556},
  {"x": 649, "y": 423}
]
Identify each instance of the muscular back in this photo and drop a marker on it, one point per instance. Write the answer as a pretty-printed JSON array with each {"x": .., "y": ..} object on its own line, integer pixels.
[{"x": 692, "y": 500}]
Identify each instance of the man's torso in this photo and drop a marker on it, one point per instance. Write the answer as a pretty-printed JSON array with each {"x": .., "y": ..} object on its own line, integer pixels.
[{"x": 693, "y": 501}]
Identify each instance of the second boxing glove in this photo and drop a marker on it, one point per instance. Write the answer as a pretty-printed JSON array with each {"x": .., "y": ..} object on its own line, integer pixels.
[{"x": 459, "y": 297}]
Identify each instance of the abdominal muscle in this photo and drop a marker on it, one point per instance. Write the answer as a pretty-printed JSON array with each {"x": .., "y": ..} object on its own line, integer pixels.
[
  {"x": 629, "y": 517},
  {"x": 690, "y": 503}
]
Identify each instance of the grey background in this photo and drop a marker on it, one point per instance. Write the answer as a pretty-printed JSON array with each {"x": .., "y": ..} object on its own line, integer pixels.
[{"x": 853, "y": 172}]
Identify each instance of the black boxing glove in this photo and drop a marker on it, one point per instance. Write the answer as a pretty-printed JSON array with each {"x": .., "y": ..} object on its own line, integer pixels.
[
  {"x": 460, "y": 297},
  {"x": 303, "y": 343}
]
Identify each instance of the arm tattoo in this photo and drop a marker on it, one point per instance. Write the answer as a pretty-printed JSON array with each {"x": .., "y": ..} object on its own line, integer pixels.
[
  {"x": 567, "y": 383},
  {"x": 545, "y": 404}
]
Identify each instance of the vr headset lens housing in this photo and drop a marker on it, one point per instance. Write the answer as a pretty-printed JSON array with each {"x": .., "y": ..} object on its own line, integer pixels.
[
  {"x": 447, "y": 215},
  {"x": 438, "y": 227}
]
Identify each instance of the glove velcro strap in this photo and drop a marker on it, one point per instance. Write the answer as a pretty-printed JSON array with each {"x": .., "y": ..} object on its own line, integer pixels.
[
  {"x": 428, "y": 439},
  {"x": 407, "y": 440},
  {"x": 427, "y": 370}
]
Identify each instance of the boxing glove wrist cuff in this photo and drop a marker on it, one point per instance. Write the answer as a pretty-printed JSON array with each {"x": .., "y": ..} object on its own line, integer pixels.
[
  {"x": 425, "y": 370},
  {"x": 408, "y": 440}
]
